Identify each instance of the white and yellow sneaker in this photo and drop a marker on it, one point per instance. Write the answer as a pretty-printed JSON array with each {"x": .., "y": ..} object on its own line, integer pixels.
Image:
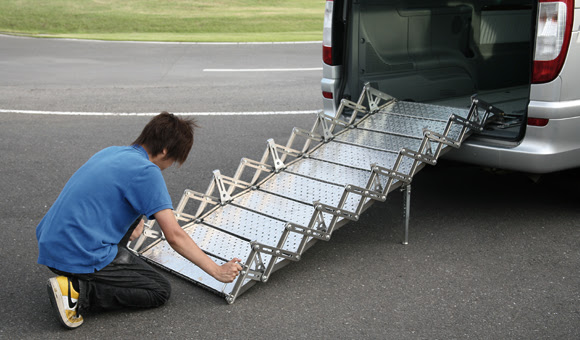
[{"x": 64, "y": 300}]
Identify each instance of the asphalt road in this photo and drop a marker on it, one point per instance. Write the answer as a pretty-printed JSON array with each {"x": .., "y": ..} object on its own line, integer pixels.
[
  {"x": 492, "y": 255},
  {"x": 93, "y": 76}
]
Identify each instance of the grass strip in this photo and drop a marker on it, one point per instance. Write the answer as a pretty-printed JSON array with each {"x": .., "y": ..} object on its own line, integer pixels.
[{"x": 168, "y": 20}]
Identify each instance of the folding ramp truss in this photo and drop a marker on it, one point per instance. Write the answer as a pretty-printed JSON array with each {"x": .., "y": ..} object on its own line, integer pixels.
[{"x": 297, "y": 197}]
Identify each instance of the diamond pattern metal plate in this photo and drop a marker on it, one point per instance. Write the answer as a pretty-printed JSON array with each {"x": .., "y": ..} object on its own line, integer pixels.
[
  {"x": 358, "y": 157},
  {"x": 223, "y": 246},
  {"x": 409, "y": 126},
  {"x": 329, "y": 172},
  {"x": 275, "y": 206},
  {"x": 425, "y": 110},
  {"x": 380, "y": 140}
]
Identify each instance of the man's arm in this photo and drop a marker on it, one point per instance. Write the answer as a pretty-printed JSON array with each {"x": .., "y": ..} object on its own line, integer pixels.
[
  {"x": 137, "y": 231},
  {"x": 186, "y": 247}
]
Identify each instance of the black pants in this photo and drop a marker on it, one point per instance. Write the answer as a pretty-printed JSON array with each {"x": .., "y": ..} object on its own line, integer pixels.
[{"x": 128, "y": 281}]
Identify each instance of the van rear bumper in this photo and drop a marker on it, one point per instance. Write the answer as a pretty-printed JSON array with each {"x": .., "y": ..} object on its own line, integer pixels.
[
  {"x": 330, "y": 83},
  {"x": 553, "y": 147}
]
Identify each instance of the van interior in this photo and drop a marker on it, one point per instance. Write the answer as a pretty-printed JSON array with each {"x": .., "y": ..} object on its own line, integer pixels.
[{"x": 444, "y": 52}]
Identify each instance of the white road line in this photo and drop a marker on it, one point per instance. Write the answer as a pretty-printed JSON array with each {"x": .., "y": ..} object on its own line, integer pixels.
[
  {"x": 262, "y": 69},
  {"x": 165, "y": 42},
  {"x": 72, "y": 113}
]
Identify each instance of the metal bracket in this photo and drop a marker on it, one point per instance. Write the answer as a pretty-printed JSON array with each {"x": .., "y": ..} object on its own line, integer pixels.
[
  {"x": 374, "y": 98},
  {"x": 326, "y": 131},
  {"x": 474, "y": 120},
  {"x": 273, "y": 149},
  {"x": 351, "y": 105},
  {"x": 428, "y": 147},
  {"x": 419, "y": 156},
  {"x": 391, "y": 173},
  {"x": 224, "y": 194},
  {"x": 317, "y": 221},
  {"x": 247, "y": 274},
  {"x": 365, "y": 192},
  {"x": 275, "y": 251},
  {"x": 278, "y": 164},
  {"x": 338, "y": 212},
  {"x": 148, "y": 232},
  {"x": 308, "y": 134},
  {"x": 467, "y": 123},
  {"x": 374, "y": 181},
  {"x": 356, "y": 107},
  {"x": 256, "y": 165},
  {"x": 151, "y": 233},
  {"x": 320, "y": 234},
  {"x": 437, "y": 137},
  {"x": 201, "y": 197},
  {"x": 485, "y": 105},
  {"x": 204, "y": 199}
]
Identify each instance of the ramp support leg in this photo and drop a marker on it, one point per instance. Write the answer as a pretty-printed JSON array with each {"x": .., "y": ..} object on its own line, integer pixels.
[{"x": 407, "y": 207}]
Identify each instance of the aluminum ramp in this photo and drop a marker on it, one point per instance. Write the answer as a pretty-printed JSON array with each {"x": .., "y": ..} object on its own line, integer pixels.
[{"x": 271, "y": 211}]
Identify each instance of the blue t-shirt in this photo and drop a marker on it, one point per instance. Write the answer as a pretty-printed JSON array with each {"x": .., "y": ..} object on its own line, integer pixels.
[{"x": 80, "y": 232}]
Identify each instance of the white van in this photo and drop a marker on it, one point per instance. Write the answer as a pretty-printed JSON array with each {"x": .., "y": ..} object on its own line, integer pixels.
[{"x": 520, "y": 56}]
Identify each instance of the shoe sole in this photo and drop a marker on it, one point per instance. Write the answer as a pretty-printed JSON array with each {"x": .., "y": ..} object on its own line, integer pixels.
[{"x": 55, "y": 296}]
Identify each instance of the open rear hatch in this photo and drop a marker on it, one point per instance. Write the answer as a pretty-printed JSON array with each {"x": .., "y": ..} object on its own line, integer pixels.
[{"x": 444, "y": 53}]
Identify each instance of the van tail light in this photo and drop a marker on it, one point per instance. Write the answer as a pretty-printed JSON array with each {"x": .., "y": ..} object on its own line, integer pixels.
[
  {"x": 538, "y": 121},
  {"x": 553, "y": 33},
  {"x": 327, "y": 33}
]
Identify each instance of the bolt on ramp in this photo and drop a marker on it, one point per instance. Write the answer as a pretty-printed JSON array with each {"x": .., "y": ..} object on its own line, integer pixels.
[{"x": 272, "y": 210}]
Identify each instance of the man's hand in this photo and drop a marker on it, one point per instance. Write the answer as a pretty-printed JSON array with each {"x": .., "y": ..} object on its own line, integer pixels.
[
  {"x": 137, "y": 231},
  {"x": 182, "y": 243},
  {"x": 228, "y": 271}
]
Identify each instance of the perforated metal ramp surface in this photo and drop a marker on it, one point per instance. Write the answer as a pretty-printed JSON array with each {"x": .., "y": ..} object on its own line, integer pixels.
[{"x": 295, "y": 198}]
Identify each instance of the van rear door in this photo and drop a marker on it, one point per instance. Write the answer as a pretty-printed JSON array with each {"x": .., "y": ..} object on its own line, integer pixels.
[{"x": 435, "y": 51}]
